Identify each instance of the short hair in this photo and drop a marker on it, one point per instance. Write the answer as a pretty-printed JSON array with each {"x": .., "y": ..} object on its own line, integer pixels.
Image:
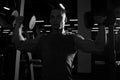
[
  {"x": 58, "y": 6},
  {"x": 61, "y": 10}
]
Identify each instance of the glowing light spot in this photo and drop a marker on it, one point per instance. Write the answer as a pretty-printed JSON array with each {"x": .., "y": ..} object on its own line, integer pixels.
[
  {"x": 61, "y": 5},
  {"x": 96, "y": 24},
  {"x": 73, "y": 19},
  {"x": 6, "y": 8},
  {"x": 117, "y": 18},
  {"x": 40, "y": 21},
  {"x": 95, "y": 28}
]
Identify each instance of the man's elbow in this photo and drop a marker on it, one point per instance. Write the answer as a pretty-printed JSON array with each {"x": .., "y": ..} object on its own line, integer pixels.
[
  {"x": 99, "y": 48},
  {"x": 99, "y": 51}
]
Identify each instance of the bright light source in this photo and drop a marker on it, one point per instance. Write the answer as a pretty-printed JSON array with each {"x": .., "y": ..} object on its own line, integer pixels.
[
  {"x": 47, "y": 31},
  {"x": 116, "y": 30},
  {"x": 117, "y": 27},
  {"x": 29, "y": 31},
  {"x": 117, "y": 63},
  {"x": 96, "y": 24},
  {"x": 41, "y": 31},
  {"x": 95, "y": 28},
  {"x": 73, "y": 19},
  {"x": 6, "y": 8},
  {"x": 106, "y": 31},
  {"x": 67, "y": 24},
  {"x": 117, "y": 18},
  {"x": 47, "y": 25},
  {"x": 106, "y": 28},
  {"x": 61, "y": 5},
  {"x": 40, "y": 21},
  {"x": 75, "y": 24},
  {"x": 6, "y": 30}
]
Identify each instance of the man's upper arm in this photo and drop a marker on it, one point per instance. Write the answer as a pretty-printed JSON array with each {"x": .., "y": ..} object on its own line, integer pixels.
[
  {"x": 86, "y": 45},
  {"x": 27, "y": 45},
  {"x": 32, "y": 44}
]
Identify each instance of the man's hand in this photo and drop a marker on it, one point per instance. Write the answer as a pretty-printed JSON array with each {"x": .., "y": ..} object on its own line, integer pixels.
[
  {"x": 19, "y": 19},
  {"x": 100, "y": 19}
]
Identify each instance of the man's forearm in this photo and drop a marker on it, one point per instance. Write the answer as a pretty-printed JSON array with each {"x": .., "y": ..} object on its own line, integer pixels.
[
  {"x": 15, "y": 37},
  {"x": 28, "y": 44}
]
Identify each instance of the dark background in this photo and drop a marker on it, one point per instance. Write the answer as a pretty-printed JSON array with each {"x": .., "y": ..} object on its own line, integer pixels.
[{"x": 42, "y": 8}]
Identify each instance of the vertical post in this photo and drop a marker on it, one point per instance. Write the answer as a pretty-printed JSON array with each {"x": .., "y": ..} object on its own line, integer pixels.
[
  {"x": 31, "y": 66},
  {"x": 22, "y": 7},
  {"x": 17, "y": 65},
  {"x": 84, "y": 59}
]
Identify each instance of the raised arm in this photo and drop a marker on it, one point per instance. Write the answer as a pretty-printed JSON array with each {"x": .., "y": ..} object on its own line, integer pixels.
[
  {"x": 91, "y": 46},
  {"x": 20, "y": 42}
]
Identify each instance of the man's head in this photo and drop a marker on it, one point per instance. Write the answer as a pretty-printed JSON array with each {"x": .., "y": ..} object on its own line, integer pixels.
[
  {"x": 58, "y": 18},
  {"x": 117, "y": 11}
]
